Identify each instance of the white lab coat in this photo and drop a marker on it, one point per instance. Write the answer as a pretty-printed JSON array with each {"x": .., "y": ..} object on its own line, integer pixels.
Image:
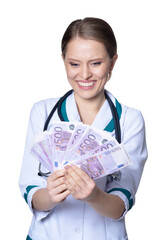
[{"x": 73, "y": 219}]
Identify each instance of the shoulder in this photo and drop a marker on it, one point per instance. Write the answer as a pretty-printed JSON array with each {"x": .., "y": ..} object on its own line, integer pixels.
[
  {"x": 132, "y": 122},
  {"x": 128, "y": 114},
  {"x": 43, "y": 107},
  {"x": 40, "y": 112},
  {"x": 131, "y": 115},
  {"x": 46, "y": 103}
]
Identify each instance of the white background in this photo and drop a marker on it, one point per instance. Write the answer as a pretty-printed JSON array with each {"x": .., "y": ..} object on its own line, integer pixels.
[{"x": 31, "y": 69}]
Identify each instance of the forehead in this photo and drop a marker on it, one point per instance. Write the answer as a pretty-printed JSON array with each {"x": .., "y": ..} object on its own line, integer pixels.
[{"x": 80, "y": 48}]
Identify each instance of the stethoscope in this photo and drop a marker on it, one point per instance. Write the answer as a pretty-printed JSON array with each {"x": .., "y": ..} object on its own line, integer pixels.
[{"x": 58, "y": 105}]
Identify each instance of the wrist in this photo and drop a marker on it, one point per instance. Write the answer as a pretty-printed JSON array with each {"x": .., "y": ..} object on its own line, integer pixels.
[
  {"x": 93, "y": 196},
  {"x": 41, "y": 200}
]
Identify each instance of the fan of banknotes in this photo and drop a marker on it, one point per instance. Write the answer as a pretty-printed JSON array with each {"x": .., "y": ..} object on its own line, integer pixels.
[{"x": 95, "y": 151}]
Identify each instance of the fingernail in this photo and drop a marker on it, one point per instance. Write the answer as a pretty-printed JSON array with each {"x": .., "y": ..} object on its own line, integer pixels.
[
  {"x": 72, "y": 165},
  {"x": 67, "y": 167}
]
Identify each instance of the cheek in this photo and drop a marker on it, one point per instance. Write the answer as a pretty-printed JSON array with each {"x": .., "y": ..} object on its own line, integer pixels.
[
  {"x": 101, "y": 73},
  {"x": 71, "y": 73}
]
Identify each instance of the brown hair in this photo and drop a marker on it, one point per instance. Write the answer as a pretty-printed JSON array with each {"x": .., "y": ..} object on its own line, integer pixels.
[{"x": 91, "y": 28}]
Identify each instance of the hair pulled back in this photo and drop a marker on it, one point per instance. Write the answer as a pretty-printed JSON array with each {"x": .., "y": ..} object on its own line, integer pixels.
[{"x": 93, "y": 29}]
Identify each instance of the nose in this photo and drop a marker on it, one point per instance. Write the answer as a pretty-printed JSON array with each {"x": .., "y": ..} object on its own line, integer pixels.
[{"x": 85, "y": 72}]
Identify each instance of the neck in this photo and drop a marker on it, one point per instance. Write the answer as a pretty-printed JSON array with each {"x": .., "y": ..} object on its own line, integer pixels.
[{"x": 88, "y": 108}]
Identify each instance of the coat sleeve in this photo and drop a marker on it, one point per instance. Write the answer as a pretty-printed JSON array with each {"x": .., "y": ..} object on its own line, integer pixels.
[
  {"x": 29, "y": 180},
  {"x": 133, "y": 131}
]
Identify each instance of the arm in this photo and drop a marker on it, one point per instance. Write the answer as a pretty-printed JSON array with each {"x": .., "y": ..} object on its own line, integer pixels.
[
  {"x": 41, "y": 200},
  {"x": 82, "y": 187},
  {"x": 107, "y": 205},
  {"x": 35, "y": 189},
  {"x": 119, "y": 196},
  {"x": 133, "y": 138}
]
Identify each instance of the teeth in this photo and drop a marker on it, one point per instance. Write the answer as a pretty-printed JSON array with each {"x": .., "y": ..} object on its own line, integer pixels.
[{"x": 88, "y": 84}]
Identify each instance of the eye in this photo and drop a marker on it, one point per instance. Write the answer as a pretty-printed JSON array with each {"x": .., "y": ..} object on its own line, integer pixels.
[
  {"x": 74, "y": 64},
  {"x": 96, "y": 63}
]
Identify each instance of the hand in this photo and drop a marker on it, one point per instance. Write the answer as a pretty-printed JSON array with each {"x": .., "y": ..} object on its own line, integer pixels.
[
  {"x": 56, "y": 187},
  {"x": 80, "y": 185}
]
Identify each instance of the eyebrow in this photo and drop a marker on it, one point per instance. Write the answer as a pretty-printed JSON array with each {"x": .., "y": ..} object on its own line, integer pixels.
[
  {"x": 72, "y": 59},
  {"x": 94, "y": 59}
]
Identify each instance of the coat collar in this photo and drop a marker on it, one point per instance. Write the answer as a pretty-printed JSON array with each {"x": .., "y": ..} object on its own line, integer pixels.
[{"x": 103, "y": 120}]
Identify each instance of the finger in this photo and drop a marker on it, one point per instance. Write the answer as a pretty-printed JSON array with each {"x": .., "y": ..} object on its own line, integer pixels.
[
  {"x": 77, "y": 192},
  {"x": 85, "y": 183},
  {"x": 81, "y": 173},
  {"x": 55, "y": 183},
  {"x": 58, "y": 189},
  {"x": 57, "y": 174},
  {"x": 77, "y": 176},
  {"x": 71, "y": 184},
  {"x": 60, "y": 197},
  {"x": 87, "y": 179}
]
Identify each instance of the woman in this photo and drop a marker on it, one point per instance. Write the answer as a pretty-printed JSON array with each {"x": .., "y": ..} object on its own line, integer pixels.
[{"x": 69, "y": 204}]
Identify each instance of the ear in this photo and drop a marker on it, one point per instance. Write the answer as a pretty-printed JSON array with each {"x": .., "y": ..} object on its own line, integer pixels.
[{"x": 113, "y": 61}]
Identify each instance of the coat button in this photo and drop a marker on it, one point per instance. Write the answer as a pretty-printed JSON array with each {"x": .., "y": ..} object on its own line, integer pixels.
[{"x": 77, "y": 230}]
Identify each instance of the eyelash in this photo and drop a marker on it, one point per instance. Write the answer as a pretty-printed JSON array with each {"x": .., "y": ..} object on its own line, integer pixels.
[
  {"x": 96, "y": 63},
  {"x": 76, "y": 64}
]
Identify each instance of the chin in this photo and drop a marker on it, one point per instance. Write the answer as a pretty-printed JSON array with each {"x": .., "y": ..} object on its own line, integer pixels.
[{"x": 86, "y": 95}]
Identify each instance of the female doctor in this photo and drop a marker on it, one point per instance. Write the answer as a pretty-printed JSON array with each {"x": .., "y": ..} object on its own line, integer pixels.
[{"x": 68, "y": 204}]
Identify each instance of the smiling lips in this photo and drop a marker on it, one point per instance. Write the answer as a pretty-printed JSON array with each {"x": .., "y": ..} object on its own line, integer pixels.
[{"x": 86, "y": 84}]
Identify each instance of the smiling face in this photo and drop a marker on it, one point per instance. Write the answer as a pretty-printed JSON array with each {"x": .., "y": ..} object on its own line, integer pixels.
[{"x": 87, "y": 66}]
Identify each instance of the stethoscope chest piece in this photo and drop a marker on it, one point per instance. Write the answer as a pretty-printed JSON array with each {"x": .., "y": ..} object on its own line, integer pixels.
[{"x": 114, "y": 177}]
